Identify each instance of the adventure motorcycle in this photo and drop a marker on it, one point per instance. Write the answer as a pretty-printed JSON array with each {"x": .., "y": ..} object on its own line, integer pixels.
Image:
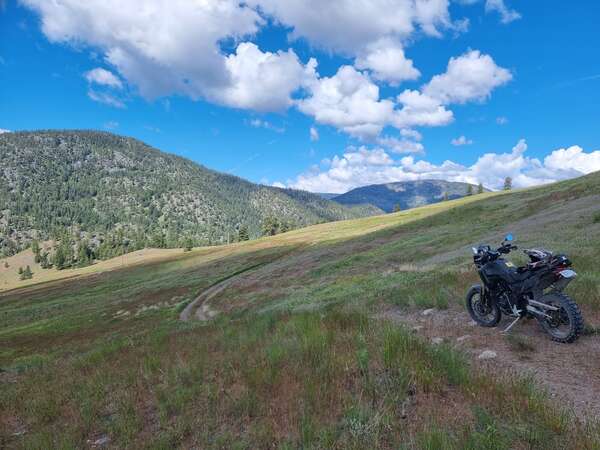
[{"x": 533, "y": 290}]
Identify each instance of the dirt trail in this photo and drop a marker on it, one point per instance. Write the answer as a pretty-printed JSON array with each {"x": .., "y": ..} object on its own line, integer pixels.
[
  {"x": 569, "y": 372},
  {"x": 200, "y": 305}
]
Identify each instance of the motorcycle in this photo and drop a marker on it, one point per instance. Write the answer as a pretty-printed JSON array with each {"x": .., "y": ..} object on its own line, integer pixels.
[{"x": 535, "y": 290}]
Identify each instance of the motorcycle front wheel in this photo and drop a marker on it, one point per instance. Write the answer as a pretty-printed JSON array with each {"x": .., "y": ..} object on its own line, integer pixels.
[
  {"x": 483, "y": 310},
  {"x": 565, "y": 324}
]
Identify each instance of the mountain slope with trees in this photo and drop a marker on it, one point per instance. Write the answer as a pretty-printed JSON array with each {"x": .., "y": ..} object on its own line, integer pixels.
[
  {"x": 121, "y": 193},
  {"x": 406, "y": 194}
]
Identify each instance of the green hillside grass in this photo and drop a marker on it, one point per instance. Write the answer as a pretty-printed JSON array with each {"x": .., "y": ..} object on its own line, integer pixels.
[{"x": 298, "y": 356}]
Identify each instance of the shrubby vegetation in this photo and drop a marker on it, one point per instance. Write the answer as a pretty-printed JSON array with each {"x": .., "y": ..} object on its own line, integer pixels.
[{"x": 107, "y": 194}]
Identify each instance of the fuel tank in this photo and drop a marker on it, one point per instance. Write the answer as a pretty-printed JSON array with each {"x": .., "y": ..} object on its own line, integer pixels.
[{"x": 501, "y": 269}]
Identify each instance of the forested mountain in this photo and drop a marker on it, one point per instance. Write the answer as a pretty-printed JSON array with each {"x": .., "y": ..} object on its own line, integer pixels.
[
  {"x": 110, "y": 188},
  {"x": 405, "y": 194}
]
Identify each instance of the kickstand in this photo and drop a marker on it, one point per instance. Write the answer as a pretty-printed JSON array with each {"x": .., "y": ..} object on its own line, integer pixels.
[{"x": 511, "y": 324}]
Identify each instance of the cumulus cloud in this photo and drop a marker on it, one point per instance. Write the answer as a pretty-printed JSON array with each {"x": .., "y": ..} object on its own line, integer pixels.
[
  {"x": 387, "y": 62},
  {"x": 2, "y": 131},
  {"x": 103, "y": 77},
  {"x": 396, "y": 145},
  {"x": 178, "y": 50},
  {"x": 469, "y": 77},
  {"x": 314, "y": 134},
  {"x": 363, "y": 166},
  {"x": 348, "y": 100},
  {"x": 161, "y": 50},
  {"x": 501, "y": 120},
  {"x": 507, "y": 15},
  {"x": 262, "y": 81},
  {"x": 461, "y": 140},
  {"x": 420, "y": 109},
  {"x": 346, "y": 25}
]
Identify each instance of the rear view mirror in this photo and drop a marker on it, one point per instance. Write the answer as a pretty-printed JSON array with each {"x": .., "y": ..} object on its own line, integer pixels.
[{"x": 509, "y": 237}]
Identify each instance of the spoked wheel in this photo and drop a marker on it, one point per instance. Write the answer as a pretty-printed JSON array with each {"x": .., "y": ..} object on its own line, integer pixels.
[
  {"x": 482, "y": 310},
  {"x": 565, "y": 324}
]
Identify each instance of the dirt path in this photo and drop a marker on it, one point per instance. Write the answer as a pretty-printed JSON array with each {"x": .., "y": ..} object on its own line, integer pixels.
[
  {"x": 200, "y": 304},
  {"x": 569, "y": 372},
  {"x": 202, "y": 309}
]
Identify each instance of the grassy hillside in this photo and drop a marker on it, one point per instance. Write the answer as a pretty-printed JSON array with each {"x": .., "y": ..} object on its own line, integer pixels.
[
  {"x": 302, "y": 351},
  {"x": 100, "y": 183},
  {"x": 406, "y": 194}
]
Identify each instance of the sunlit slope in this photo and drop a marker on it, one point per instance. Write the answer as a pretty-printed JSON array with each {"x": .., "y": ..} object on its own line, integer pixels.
[{"x": 331, "y": 231}]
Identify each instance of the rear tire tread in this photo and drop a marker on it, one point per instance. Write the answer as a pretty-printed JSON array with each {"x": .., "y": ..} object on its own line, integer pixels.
[{"x": 575, "y": 313}]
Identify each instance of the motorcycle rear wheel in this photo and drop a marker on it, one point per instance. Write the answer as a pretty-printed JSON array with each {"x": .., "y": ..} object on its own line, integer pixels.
[
  {"x": 566, "y": 324},
  {"x": 483, "y": 311}
]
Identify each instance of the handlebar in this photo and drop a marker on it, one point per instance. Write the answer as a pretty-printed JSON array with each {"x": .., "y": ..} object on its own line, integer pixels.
[{"x": 506, "y": 248}]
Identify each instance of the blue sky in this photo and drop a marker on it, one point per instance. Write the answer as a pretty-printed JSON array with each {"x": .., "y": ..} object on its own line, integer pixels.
[{"x": 521, "y": 99}]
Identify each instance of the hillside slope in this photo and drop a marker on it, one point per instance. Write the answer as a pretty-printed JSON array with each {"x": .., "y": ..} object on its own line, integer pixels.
[
  {"x": 406, "y": 194},
  {"x": 315, "y": 338},
  {"x": 99, "y": 182}
]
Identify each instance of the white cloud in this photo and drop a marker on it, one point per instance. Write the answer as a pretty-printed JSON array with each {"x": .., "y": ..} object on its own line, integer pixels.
[
  {"x": 360, "y": 167},
  {"x": 176, "y": 49},
  {"x": 259, "y": 123},
  {"x": 386, "y": 59},
  {"x": 501, "y": 120},
  {"x": 573, "y": 158},
  {"x": 348, "y": 100},
  {"x": 419, "y": 109},
  {"x": 461, "y": 140},
  {"x": 347, "y": 25},
  {"x": 111, "y": 125},
  {"x": 314, "y": 134},
  {"x": 262, "y": 81},
  {"x": 396, "y": 145},
  {"x": 469, "y": 77},
  {"x": 2, "y": 131},
  {"x": 105, "y": 98},
  {"x": 278, "y": 184},
  {"x": 507, "y": 15},
  {"x": 103, "y": 77},
  {"x": 413, "y": 134},
  {"x": 161, "y": 48}
]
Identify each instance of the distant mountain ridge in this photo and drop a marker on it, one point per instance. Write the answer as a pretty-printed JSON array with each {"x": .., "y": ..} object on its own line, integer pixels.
[
  {"x": 406, "y": 194},
  {"x": 99, "y": 182}
]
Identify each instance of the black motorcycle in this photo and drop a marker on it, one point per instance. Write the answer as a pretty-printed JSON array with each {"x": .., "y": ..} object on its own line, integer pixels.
[{"x": 531, "y": 291}]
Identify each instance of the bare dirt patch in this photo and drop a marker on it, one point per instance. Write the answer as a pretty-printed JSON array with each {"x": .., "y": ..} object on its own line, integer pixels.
[{"x": 570, "y": 373}]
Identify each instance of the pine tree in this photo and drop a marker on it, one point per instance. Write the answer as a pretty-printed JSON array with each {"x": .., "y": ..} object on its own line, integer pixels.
[
  {"x": 20, "y": 271},
  {"x": 508, "y": 183},
  {"x": 397, "y": 207},
  {"x": 243, "y": 233},
  {"x": 446, "y": 198},
  {"x": 480, "y": 188},
  {"x": 84, "y": 254},
  {"x": 270, "y": 226},
  {"x": 470, "y": 189},
  {"x": 63, "y": 255},
  {"x": 27, "y": 274},
  {"x": 6, "y": 266},
  {"x": 44, "y": 262},
  {"x": 35, "y": 248},
  {"x": 188, "y": 244},
  {"x": 284, "y": 227}
]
